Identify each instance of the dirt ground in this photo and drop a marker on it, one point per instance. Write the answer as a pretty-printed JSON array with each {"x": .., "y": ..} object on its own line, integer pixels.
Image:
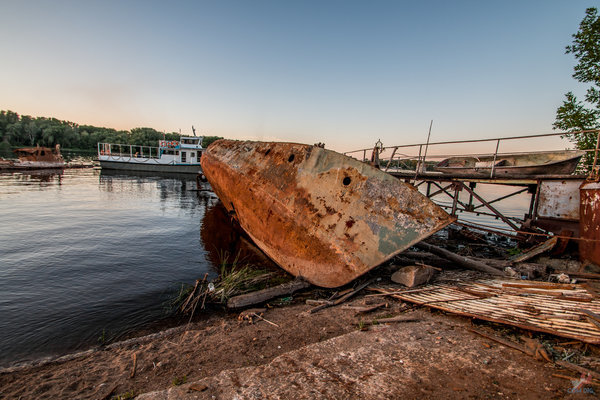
[{"x": 221, "y": 342}]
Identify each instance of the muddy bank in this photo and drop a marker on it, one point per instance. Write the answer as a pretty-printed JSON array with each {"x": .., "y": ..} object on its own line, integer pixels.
[
  {"x": 340, "y": 351},
  {"x": 438, "y": 354}
]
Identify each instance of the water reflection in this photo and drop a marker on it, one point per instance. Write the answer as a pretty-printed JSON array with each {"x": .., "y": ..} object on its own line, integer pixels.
[
  {"x": 90, "y": 252},
  {"x": 37, "y": 176},
  {"x": 222, "y": 237}
]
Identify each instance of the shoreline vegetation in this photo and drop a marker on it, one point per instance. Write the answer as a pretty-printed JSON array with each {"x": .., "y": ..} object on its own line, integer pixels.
[{"x": 27, "y": 131}]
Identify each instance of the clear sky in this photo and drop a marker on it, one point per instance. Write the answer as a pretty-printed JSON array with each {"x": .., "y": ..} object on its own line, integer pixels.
[{"x": 341, "y": 72}]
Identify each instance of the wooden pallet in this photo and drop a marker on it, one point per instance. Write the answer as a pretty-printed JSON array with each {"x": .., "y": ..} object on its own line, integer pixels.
[{"x": 562, "y": 310}]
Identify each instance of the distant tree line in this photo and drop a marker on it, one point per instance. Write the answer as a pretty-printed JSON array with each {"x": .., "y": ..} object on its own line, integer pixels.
[{"x": 23, "y": 130}]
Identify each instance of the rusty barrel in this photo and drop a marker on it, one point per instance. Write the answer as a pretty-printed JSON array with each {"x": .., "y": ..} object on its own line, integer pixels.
[{"x": 589, "y": 221}]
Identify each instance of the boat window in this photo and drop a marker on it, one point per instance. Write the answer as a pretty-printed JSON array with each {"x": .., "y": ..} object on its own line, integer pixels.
[
  {"x": 183, "y": 153},
  {"x": 198, "y": 156},
  {"x": 192, "y": 155}
]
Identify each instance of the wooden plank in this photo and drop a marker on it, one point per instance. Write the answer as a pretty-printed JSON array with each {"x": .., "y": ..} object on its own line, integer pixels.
[
  {"x": 552, "y": 313},
  {"x": 540, "y": 285},
  {"x": 539, "y": 249}
]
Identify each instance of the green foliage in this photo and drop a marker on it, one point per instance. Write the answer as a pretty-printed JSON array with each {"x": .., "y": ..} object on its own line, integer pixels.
[
  {"x": 235, "y": 278},
  {"x": 179, "y": 380},
  {"x": 514, "y": 251},
  {"x": 207, "y": 140},
  {"x": 24, "y": 130},
  {"x": 574, "y": 115},
  {"x": 102, "y": 338},
  {"x": 124, "y": 396}
]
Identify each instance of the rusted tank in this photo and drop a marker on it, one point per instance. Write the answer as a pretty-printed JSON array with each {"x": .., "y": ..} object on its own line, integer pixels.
[
  {"x": 589, "y": 221},
  {"x": 318, "y": 214}
]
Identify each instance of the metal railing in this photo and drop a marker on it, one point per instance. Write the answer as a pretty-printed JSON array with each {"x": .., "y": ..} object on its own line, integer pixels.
[
  {"x": 128, "y": 150},
  {"x": 419, "y": 160}
]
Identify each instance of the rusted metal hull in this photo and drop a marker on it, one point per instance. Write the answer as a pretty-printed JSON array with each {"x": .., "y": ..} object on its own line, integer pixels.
[
  {"x": 34, "y": 158},
  {"x": 318, "y": 214},
  {"x": 510, "y": 165},
  {"x": 589, "y": 222}
]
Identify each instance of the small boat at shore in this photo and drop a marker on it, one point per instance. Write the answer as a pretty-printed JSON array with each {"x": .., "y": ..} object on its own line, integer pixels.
[
  {"x": 318, "y": 214},
  {"x": 172, "y": 156},
  {"x": 509, "y": 165},
  {"x": 34, "y": 158}
]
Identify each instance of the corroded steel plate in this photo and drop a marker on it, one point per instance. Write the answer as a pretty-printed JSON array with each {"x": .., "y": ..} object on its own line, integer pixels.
[
  {"x": 589, "y": 222},
  {"x": 318, "y": 214}
]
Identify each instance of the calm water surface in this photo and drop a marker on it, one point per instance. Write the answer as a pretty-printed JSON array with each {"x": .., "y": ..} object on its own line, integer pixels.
[{"x": 85, "y": 255}]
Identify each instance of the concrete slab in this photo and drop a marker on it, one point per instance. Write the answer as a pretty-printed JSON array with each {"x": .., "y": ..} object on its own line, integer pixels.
[{"x": 386, "y": 362}]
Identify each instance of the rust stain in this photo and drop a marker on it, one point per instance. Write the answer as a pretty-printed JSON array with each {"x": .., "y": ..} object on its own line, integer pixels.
[
  {"x": 315, "y": 212},
  {"x": 589, "y": 221}
]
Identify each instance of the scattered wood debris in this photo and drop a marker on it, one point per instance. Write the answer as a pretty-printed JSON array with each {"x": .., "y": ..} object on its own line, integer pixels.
[
  {"x": 396, "y": 319},
  {"x": 343, "y": 298},
  {"x": 260, "y": 296},
  {"x": 536, "y": 250},
  {"x": 249, "y": 314},
  {"x": 132, "y": 374},
  {"x": 578, "y": 368},
  {"x": 466, "y": 262},
  {"x": 367, "y": 309},
  {"x": 413, "y": 275},
  {"x": 544, "y": 307}
]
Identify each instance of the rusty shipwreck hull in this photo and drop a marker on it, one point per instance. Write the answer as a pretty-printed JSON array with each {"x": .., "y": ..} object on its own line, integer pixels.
[{"x": 318, "y": 214}]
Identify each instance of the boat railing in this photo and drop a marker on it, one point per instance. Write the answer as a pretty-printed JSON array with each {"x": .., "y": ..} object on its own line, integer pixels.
[
  {"x": 128, "y": 150},
  {"x": 423, "y": 156}
]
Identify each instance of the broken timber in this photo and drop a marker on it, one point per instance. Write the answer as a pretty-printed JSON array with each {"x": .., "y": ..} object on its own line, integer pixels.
[
  {"x": 318, "y": 214},
  {"x": 263, "y": 295},
  {"x": 463, "y": 261}
]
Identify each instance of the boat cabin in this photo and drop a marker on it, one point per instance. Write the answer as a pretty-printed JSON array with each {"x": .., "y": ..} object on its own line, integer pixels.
[
  {"x": 187, "y": 150},
  {"x": 39, "y": 154}
]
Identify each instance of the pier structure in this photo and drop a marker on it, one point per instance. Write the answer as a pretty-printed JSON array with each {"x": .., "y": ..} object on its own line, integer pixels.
[{"x": 554, "y": 199}]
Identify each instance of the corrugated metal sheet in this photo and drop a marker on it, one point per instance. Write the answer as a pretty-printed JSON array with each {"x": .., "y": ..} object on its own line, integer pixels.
[{"x": 538, "y": 306}]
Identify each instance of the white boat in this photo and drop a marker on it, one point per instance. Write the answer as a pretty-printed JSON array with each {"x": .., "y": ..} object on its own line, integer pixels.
[{"x": 179, "y": 156}]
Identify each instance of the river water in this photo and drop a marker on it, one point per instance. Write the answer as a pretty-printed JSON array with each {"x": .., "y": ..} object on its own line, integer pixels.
[{"x": 86, "y": 256}]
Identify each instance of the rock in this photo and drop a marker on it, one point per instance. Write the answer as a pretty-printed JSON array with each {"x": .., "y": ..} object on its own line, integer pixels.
[
  {"x": 510, "y": 272},
  {"x": 531, "y": 270},
  {"x": 563, "y": 278},
  {"x": 413, "y": 275}
]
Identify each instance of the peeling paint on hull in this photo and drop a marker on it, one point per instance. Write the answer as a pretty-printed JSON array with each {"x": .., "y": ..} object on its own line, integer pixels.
[{"x": 318, "y": 214}]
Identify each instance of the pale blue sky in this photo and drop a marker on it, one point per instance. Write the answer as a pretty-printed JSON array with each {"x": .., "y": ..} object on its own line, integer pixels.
[{"x": 341, "y": 72}]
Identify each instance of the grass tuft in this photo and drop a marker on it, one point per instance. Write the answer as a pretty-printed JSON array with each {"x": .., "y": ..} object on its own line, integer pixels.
[{"x": 235, "y": 277}]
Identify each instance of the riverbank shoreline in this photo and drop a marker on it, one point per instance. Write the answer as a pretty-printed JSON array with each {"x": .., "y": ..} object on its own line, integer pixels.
[{"x": 222, "y": 345}]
